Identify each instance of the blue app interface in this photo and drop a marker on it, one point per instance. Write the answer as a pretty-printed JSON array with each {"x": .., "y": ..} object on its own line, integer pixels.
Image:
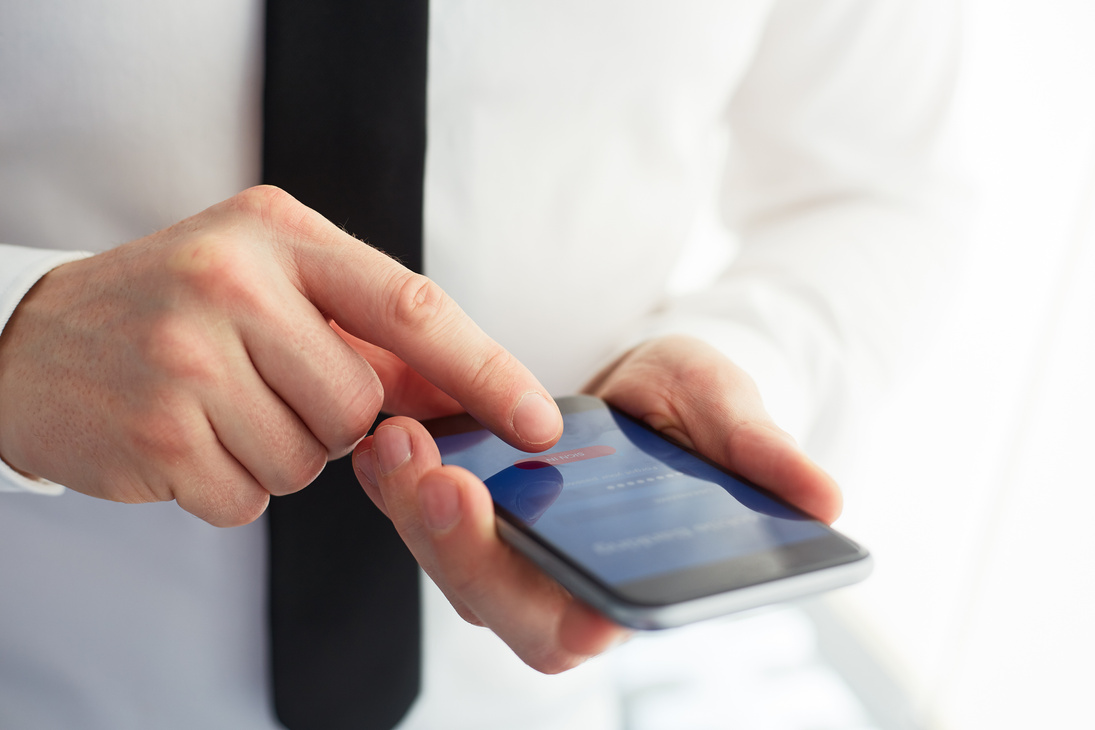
[{"x": 624, "y": 503}]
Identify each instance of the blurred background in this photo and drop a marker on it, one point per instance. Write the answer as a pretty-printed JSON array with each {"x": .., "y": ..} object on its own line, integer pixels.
[
  {"x": 972, "y": 482},
  {"x": 973, "y": 486}
]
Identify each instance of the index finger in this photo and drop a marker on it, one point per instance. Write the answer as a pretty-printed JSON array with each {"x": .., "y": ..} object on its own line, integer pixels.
[{"x": 376, "y": 299}]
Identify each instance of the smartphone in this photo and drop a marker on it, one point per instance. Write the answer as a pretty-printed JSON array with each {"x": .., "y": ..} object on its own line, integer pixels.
[{"x": 648, "y": 532}]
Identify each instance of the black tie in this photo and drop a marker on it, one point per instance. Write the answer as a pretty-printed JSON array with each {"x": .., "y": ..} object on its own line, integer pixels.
[{"x": 345, "y": 133}]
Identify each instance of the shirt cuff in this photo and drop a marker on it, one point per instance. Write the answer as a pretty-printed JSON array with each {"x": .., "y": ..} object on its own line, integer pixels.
[
  {"x": 21, "y": 270},
  {"x": 13, "y": 481}
]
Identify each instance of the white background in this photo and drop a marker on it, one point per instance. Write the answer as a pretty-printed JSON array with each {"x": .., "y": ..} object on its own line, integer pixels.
[{"x": 974, "y": 486}]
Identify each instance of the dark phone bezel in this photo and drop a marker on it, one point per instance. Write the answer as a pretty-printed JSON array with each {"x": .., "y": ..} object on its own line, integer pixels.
[{"x": 829, "y": 551}]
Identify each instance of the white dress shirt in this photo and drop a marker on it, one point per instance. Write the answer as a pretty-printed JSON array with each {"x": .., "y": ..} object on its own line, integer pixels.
[{"x": 579, "y": 155}]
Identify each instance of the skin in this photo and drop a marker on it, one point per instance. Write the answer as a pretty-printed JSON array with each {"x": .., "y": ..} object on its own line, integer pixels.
[
  {"x": 678, "y": 385},
  {"x": 227, "y": 358},
  {"x": 199, "y": 364}
]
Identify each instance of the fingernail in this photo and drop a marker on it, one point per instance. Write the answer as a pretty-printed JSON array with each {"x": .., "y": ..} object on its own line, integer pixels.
[
  {"x": 363, "y": 462},
  {"x": 536, "y": 419},
  {"x": 439, "y": 500},
  {"x": 393, "y": 448}
]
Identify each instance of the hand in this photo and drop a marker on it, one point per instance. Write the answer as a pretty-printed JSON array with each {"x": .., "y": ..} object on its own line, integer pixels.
[
  {"x": 445, "y": 515},
  {"x": 692, "y": 393},
  {"x": 198, "y": 364}
]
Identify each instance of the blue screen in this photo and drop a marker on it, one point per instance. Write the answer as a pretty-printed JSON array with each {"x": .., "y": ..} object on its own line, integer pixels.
[{"x": 624, "y": 503}]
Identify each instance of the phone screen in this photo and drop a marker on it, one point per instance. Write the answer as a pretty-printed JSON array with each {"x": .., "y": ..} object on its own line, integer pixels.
[{"x": 641, "y": 514}]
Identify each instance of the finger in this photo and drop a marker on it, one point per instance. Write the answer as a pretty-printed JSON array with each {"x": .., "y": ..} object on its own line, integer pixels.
[
  {"x": 533, "y": 614},
  {"x": 261, "y": 432},
  {"x": 376, "y": 299},
  {"x": 364, "y": 466},
  {"x": 446, "y": 516},
  {"x": 332, "y": 389},
  {"x": 214, "y": 486},
  {"x": 693, "y": 393},
  {"x": 738, "y": 433},
  {"x": 389, "y": 468},
  {"x": 410, "y": 316},
  {"x": 406, "y": 392},
  {"x": 767, "y": 456},
  {"x": 586, "y": 632}
]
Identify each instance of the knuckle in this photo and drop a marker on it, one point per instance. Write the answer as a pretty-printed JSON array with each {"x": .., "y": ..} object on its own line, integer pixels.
[
  {"x": 216, "y": 268},
  {"x": 161, "y": 433},
  {"x": 266, "y": 202},
  {"x": 302, "y": 471},
  {"x": 468, "y": 584},
  {"x": 356, "y": 414},
  {"x": 552, "y": 660},
  {"x": 175, "y": 347},
  {"x": 469, "y": 616},
  {"x": 417, "y": 302},
  {"x": 489, "y": 370},
  {"x": 127, "y": 487},
  {"x": 247, "y": 509},
  {"x": 278, "y": 211},
  {"x": 223, "y": 504}
]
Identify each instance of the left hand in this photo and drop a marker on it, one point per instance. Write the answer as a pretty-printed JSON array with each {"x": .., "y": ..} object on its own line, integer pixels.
[
  {"x": 689, "y": 391},
  {"x": 678, "y": 385},
  {"x": 446, "y": 517}
]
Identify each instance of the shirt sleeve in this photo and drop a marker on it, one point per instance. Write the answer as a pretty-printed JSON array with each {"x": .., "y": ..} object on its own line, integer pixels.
[
  {"x": 836, "y": 193},
  {"x": 20, "y": 269}
]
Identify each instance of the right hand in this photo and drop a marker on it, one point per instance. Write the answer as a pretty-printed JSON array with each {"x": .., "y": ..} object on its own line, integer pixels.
[{"x": 199, "y": 363}]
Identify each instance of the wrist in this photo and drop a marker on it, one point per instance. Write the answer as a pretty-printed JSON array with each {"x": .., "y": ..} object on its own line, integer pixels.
[{"x": 22, "y": 269}]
